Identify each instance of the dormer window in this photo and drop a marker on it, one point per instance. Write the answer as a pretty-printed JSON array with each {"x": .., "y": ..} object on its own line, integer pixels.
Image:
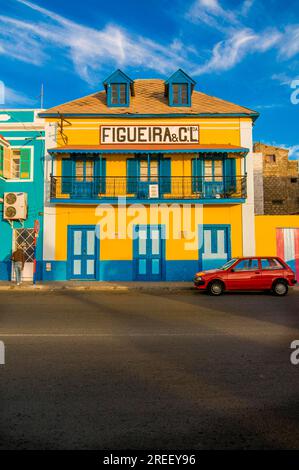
[
  {"x": 119, "y": 94},
  {"x": 180, "y": 94},
  {"x": 178, "y": 89},
  {"x": 119, "y": 88}
]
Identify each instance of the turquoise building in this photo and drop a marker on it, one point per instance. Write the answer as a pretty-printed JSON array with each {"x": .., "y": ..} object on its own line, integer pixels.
[{"x": 22, "y": 143}]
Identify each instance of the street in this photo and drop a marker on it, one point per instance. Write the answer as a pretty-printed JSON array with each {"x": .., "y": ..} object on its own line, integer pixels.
[{"x": 127, "y": 370}]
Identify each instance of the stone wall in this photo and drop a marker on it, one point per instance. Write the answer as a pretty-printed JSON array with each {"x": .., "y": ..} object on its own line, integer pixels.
[{"x": 280, "y": 181}]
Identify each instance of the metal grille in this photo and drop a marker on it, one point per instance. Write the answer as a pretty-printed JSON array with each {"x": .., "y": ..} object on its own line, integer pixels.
[
  {"x": 24, "y": 238},
  {"x": 173, "y": 187}
]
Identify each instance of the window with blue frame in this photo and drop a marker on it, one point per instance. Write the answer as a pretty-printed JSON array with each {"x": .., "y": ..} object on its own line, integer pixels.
[
  {"x": 180, "y": 94},
  {"x": 179, "y": 89},
  {"x": 144, "y": 171},
  {"x": 119, "y": 88},
  {"x": 83, "y": 178},
  {"x": 119, "y": 94}
]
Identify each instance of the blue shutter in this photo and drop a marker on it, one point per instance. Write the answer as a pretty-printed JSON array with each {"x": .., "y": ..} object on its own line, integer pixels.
[
  {"x": 230, "y": 175},
  {"x": 132, "y": 175},
  {"x": 197, "y": 175},
  {"x": 100, "y": 176},
  {"x": 67, "y": 167},
  {"x": 165, "y": 175}
]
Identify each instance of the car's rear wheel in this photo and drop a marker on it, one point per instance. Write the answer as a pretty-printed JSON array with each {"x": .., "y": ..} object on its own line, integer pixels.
[
  {"x": 216, "y": 288},
  {"x": 280, "y": 288}
]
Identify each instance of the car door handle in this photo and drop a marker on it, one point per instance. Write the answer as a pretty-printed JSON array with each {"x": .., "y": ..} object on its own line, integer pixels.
[{"x": 257, "y": 272}]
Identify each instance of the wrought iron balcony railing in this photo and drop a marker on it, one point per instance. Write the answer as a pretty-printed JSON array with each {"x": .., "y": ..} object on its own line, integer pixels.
[{"x": 175, "y": 187}]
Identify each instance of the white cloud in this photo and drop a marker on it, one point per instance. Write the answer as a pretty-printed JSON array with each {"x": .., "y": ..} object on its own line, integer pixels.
[
  {"x": 229, "y": 52},
  {"x": 290, "y": 44},
  {"x": 14, "y": 97},
  {"x": 89, "y": 49},
  {"x": 246, "y": 7},
  {"x": 211, "y": 13},
  {"x": 294, "y": 152}
]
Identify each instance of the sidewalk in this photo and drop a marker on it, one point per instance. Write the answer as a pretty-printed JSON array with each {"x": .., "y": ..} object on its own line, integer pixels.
[{"x": 98, "y": 286}]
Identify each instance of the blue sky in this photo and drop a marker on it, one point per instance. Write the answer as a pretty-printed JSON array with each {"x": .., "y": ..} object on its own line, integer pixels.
[{"x": 245, "y": 51}]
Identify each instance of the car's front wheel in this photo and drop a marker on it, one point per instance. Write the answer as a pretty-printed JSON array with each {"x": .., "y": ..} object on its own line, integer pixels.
[
  {"x": 280, "y": 288},
  {"x": 216, "y": 288}
]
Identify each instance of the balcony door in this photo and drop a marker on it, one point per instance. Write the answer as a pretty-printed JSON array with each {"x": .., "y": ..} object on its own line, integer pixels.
[
  {"x": 213, "y": 177},
  {"x": 83, "y": 179},
  {"x": 148, "y": 176},
  {"x": 82, "y": 252}
]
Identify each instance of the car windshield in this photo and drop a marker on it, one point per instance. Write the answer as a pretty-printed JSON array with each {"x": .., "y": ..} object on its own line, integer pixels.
[{"x": 228, "y": 264}]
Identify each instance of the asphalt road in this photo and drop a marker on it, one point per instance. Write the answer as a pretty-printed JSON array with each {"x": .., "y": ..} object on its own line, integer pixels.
[{"x": 146, "y": 371}]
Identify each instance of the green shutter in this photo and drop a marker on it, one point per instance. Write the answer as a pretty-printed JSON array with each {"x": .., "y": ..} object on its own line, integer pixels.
[
  {"x": 165, "y": 175},
  {"x": 230, "y": 174},
  {"x": 25, "y": 163},
  {"x": 132, "y": 174},
  {"x": 67, "y": 169},
  {"x": 1, "y": 160},
  {"x": 197, "y": 175},
  {"x": 100, "y": 176}
]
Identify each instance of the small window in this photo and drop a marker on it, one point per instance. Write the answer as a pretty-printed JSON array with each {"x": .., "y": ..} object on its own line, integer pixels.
[
  {"x": 180, "y": 94},
  {"x": 294, "y": 180},
  {"x": 277, "y": 202},
  {"x": 271, "y": 158},
  {"x": 247, "y": 265},
  {"x": 20, "y": 163},
  {"x": 114, "y": 94},
  {"x": 16, "y": 164},
  {"x": 119, "y": 94},
  {"x": 271, "y": 263}
]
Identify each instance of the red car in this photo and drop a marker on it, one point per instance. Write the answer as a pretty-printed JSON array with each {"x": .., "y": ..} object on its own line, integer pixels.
[{"x": 252, "y": 273}]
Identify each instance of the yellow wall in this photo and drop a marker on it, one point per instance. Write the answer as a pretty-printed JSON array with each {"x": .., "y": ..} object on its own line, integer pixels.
[
  {"x": 265, "y": 231},
  {"x": 180, "y": 244},
  {"x": 87, "y": 132},
  {"x": 212, "y": 130}
]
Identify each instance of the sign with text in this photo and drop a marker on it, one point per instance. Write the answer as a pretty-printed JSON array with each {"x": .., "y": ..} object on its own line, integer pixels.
[{"x": 149, "y": 134}]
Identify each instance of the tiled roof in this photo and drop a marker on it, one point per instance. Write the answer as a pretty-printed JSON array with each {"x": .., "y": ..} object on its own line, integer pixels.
[{"x": 149, "y": 99}]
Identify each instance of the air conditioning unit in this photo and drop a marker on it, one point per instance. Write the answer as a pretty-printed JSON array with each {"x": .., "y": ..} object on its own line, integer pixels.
[{"x": 15, "y": 206}]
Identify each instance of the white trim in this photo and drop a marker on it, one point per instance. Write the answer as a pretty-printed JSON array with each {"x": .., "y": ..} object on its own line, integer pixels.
[
  {"x": 22, "y": 109},
  {"x": 248, "y": 221},
  {"x": 20, "y": 126},
  {"x": 23, "y": 138},
  {"x": 49, "y": 242}
]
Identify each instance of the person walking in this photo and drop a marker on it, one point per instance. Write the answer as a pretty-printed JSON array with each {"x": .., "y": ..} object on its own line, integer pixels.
[{"x": 18, "y": 258}]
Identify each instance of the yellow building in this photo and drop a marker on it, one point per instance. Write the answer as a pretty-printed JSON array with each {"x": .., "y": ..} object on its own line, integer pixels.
[{"x": 147, "y": 180}]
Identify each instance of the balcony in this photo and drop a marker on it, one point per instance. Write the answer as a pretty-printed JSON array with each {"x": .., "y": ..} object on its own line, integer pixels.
[{"x": 95, "y": 189}]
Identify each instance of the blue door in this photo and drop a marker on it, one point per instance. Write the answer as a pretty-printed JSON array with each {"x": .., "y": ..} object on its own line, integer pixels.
[
  {"x": 215, "y": 246},
  {"x": 82, "y": 252},
  {"x": 148, "y": 253}
]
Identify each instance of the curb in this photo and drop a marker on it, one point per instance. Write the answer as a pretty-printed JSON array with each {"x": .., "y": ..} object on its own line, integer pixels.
[{"x": 116, "y": 288}]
